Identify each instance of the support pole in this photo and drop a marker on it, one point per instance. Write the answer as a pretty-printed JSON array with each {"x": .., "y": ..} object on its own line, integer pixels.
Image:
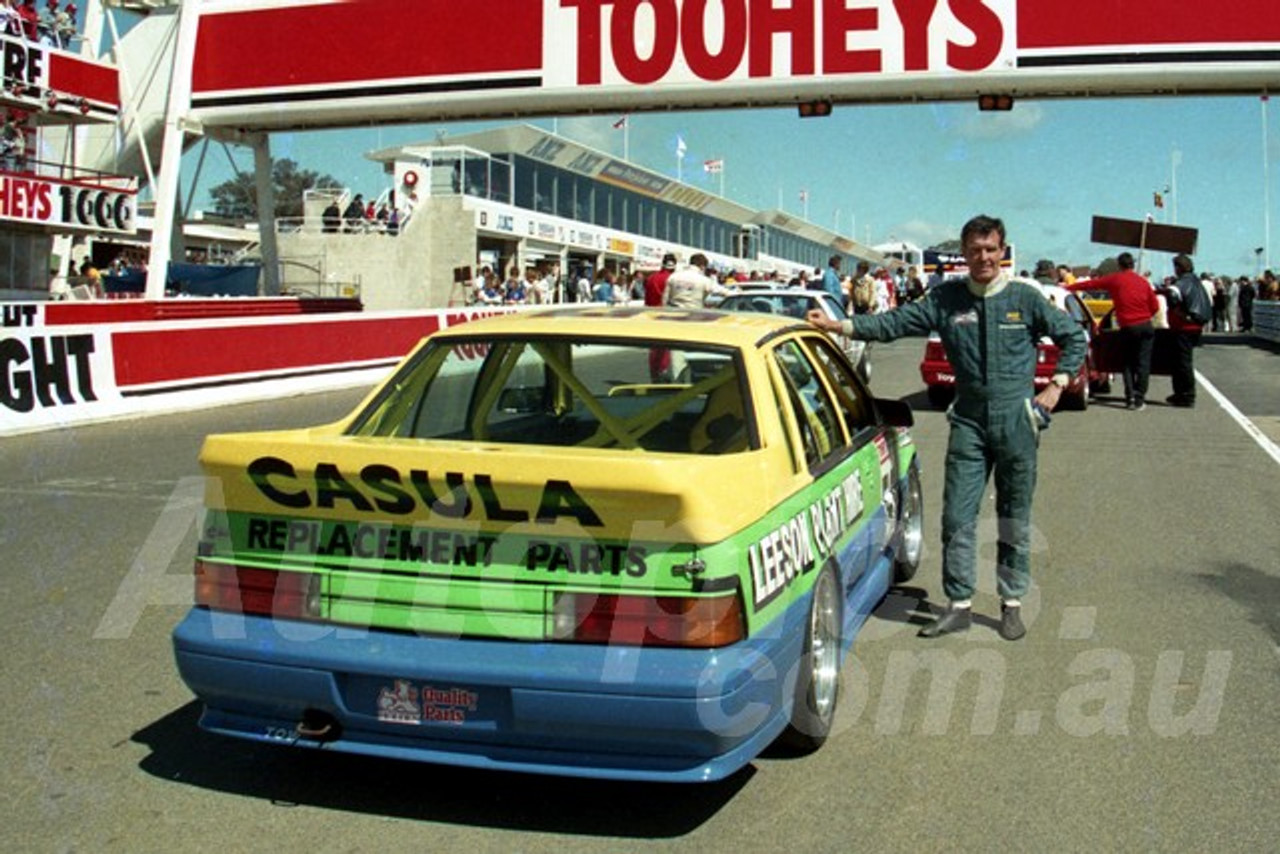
[
  {"x": 261, "y": 143},
  {"x": 165, "y": 232}
]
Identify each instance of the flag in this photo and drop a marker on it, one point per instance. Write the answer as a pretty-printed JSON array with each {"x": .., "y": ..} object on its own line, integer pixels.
[
  {"x": 681, "y": 148},
  {"x": 1158, "y": 199},
  {"x": 804, "y": 196},
  {"x": 620, "y": 123},
  {"x": 713, "y": 166}
]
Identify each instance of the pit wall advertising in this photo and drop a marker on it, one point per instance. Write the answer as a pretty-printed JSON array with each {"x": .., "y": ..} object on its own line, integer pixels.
[{"x": 56, "y": 371}]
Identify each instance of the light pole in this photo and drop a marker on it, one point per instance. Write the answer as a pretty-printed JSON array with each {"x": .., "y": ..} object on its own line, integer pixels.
[{"x": 1266, "y": 190}]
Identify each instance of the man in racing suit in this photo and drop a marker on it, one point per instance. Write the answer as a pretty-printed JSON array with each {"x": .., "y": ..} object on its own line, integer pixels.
[{"x": 990, "y": 327}]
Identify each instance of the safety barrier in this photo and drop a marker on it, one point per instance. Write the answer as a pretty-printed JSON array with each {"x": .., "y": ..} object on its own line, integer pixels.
[
  {"x": 63, "y": 364},
  {"x": 1266, "y": 320}
]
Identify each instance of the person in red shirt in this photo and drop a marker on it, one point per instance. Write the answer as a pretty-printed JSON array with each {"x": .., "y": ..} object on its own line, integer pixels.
[
  {"x": 655, "y": 294},
  {"x": 30, "y": 18},
  {"x": 655, "y": 284},
  {"x": 1135, "y": 304}
]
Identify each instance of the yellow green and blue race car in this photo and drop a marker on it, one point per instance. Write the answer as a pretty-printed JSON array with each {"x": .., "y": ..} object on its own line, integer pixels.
[{"x": 624, "y": 543}]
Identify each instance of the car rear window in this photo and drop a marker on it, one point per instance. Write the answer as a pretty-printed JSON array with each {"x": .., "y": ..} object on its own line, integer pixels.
[{"x": 568, "y": 393}]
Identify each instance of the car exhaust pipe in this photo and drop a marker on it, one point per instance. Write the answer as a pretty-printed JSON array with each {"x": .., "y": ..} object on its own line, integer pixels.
[{"x": 318, "y": 726}]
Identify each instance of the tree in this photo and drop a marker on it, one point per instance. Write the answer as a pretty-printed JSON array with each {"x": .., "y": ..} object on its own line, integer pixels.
[{"x": 238, "y": 198}]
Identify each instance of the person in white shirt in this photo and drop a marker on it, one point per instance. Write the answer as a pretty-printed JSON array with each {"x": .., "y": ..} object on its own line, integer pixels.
[{"x": 690, "y": 286}]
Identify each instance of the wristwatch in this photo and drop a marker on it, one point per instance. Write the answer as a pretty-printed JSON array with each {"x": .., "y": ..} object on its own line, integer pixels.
[{"x": 1061, "y": 380}]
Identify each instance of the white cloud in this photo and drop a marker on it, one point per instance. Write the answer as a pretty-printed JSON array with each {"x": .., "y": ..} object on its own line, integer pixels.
[{"x": 924, "y": 233}]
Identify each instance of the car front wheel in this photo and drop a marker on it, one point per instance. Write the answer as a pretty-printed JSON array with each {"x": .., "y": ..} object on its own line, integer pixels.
[{"x": 911, "y": 530}]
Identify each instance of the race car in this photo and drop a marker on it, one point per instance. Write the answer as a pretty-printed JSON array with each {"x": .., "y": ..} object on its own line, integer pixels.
[
  {"x": 797, "y": 302},
  {"x": 940, "y": 381},
  {"x": 523, "y": 552}
]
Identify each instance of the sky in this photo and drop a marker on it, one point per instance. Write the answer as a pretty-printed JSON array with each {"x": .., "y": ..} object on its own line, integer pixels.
[{"x": 917, "y": 172}]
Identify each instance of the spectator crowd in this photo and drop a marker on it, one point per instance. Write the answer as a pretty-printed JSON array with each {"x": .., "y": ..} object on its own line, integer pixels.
[
  {"x": 52, "y": 25},
  {"x": 868, "y": 289}
]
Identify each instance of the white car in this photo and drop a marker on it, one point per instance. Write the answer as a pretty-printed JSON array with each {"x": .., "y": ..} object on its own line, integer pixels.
[{"x": 797, "y": 303}]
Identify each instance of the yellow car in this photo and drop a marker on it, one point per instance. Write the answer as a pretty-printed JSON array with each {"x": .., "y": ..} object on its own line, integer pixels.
[
  {"x": 625, "y": 543},
  {"x": 1099, "y": 305}
]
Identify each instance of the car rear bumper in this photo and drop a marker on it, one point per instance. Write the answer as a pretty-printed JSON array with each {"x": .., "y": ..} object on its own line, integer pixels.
[
  {"x": 619, "y": 712},
  {"x": 934, "y": 374}
]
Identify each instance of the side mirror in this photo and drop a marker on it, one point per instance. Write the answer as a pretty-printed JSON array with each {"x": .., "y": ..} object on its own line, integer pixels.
[{"x": 895, "y": 413}]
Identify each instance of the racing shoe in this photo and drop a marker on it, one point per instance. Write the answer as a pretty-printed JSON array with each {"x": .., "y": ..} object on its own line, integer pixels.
[
  {"x": 954, "y": 619},
  {"x": 1011, "y": 627}
]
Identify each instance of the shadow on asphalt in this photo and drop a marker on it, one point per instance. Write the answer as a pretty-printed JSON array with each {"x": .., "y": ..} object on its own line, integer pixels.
[
  {"x": 183, "y": 754},
  {"x": 1253, "y": 589}
]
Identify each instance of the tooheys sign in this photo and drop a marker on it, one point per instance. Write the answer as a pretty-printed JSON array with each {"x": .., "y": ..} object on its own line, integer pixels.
[
  {"x": 423, "y": 59},
  {"x": 65, "y": 205}
]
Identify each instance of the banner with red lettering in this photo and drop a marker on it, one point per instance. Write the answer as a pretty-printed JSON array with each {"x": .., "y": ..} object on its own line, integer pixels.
[
  {"x": 35, "y": 200},
  {"x": 425, "y": 59}
]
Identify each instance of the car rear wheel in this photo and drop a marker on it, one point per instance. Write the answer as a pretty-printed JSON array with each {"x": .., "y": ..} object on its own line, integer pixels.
[
  {"x": 940, "y": 395},
  {"x": 817, "y": 690},
  {"x": 911, "y": 530}
]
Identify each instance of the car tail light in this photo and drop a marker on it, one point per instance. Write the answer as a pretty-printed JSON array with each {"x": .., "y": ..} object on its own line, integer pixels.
[
  {"x": 264, "y": 592},
  {"x": 1047, "y": 354},
  {"x": 649, "y": 620}
]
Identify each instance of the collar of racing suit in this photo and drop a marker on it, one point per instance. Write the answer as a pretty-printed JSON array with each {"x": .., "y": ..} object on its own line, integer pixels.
[{"x": 995, "y": 286}]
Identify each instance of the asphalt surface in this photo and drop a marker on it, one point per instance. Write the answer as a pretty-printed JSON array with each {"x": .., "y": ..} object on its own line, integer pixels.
[{"x": 1140, "y": 712}]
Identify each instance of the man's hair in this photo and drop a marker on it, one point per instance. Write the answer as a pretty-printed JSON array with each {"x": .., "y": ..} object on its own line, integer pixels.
[
  {"x": 1125, "y": 260},
  {"x": 1182, "y": 264},
  {"x": 982, "y": 225},
  {"x": 697, "y": 259},
  {"x": 834, "y": 260}
]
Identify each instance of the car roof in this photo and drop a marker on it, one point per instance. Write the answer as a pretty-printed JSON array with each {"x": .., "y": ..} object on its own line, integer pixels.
[
  {"x": 738, "y": 329},
  {"x": 778, "y": 291}
]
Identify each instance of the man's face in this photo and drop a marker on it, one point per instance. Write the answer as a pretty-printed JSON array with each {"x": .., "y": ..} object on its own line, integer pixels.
[{"x": 983, "y": 253}]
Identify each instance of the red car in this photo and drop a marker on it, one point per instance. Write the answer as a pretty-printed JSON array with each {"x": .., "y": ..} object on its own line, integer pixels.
[{"x": 936, "y": 371}]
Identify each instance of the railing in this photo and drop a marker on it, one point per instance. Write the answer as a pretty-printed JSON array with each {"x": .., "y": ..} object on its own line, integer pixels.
[
  {"x": 302, "y": 225},
  {"x": 20, "y": 164},
  {"x": 315, "y": 283},
  {"x": 1266, "y": 320}
]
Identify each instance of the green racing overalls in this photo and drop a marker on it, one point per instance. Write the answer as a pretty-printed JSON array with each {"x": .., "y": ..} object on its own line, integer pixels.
[{"x": 990, "y": 339}]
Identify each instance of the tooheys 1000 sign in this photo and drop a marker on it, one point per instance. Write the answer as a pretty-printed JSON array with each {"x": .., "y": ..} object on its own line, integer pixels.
[{"x": 419, "y": 57}]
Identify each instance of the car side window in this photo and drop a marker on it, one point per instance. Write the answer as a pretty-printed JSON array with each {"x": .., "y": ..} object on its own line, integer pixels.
[
  {"x": 851, "y": 396},
  {"x": 811, "y": 404},
  {"x": 836, "y": 309}
]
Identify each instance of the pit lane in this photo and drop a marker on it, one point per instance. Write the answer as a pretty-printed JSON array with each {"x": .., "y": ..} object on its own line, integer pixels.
[{"x": 1138, "y": 713}]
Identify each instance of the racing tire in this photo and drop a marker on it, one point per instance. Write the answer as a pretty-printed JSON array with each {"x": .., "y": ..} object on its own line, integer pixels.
[
  {"x": 817, "y": 688},
  {"x": 941, "y": 395},
  {"x": 910, "y": 529}
]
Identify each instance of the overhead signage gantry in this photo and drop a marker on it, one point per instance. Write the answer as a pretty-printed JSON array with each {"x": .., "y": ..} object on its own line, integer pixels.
[
  {"x": 44, "y": 86},
  {"x": 255, "y": 67}
]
